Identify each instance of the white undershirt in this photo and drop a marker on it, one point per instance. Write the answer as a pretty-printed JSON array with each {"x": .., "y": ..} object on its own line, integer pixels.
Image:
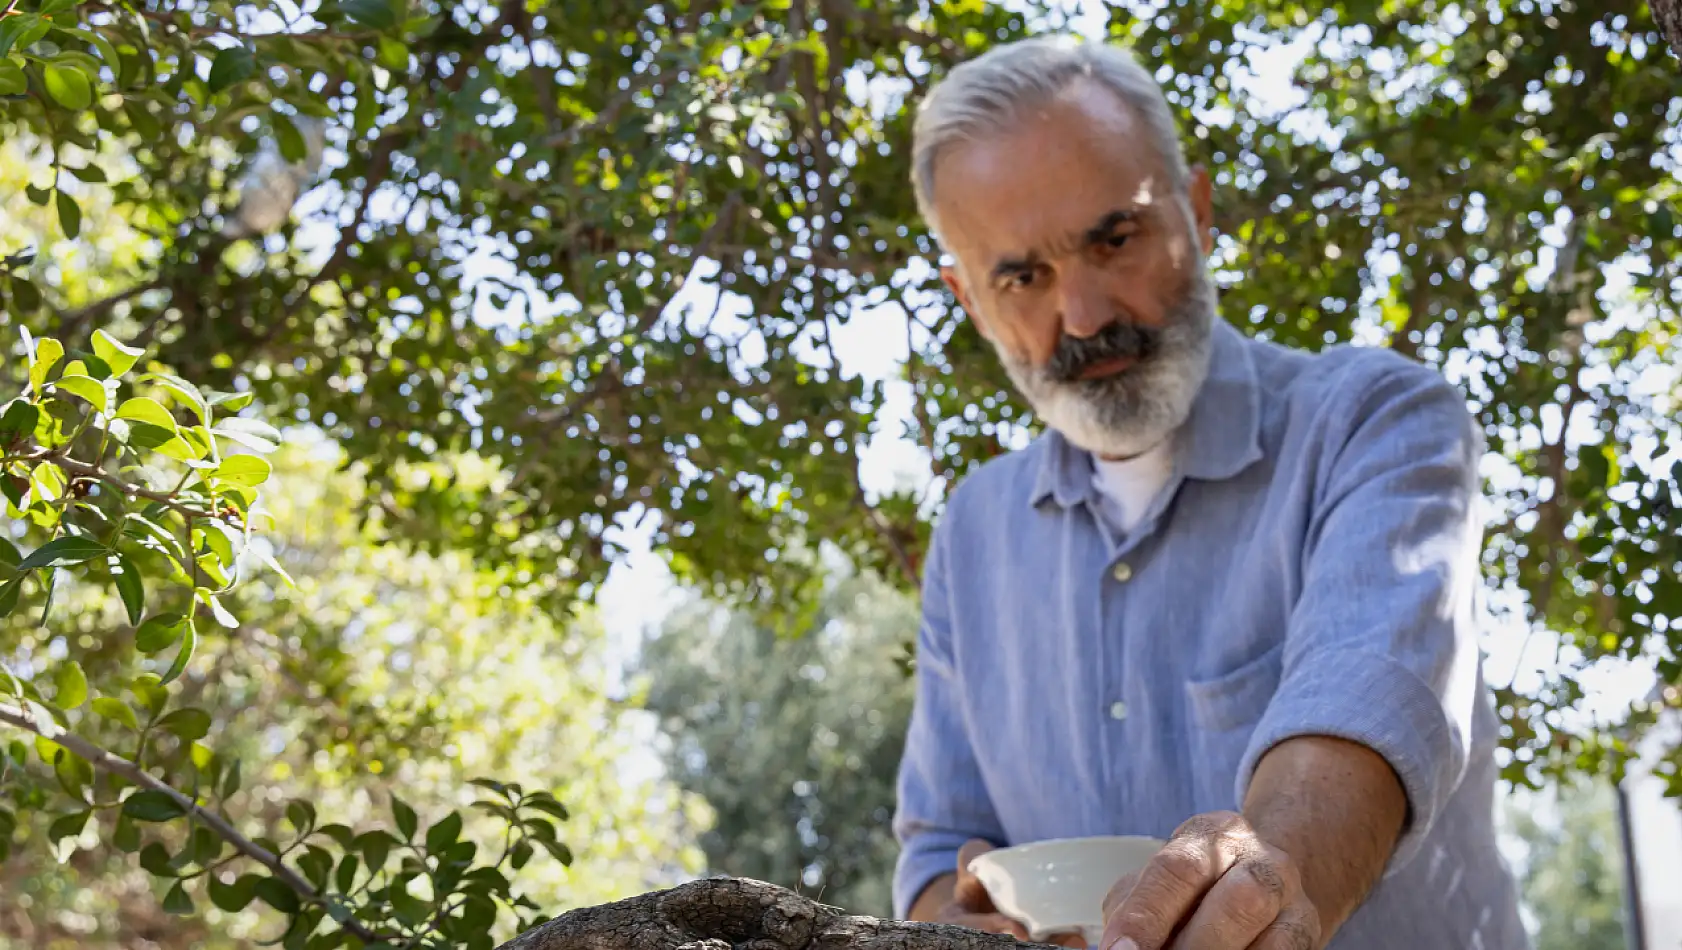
[{"x": 1127, "y": 487}]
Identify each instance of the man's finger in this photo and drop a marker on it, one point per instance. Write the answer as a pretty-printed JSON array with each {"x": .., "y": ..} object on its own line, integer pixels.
[
  {"x": 1296, "y": 929},
  {"x": 1241, "y": 906},
  {"x": 1118, "y": 892},
  {"x": 968, "y": 892},
  {"x": 1168, "y": 888}
]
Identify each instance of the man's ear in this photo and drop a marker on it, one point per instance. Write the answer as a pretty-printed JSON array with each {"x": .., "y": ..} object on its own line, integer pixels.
[
  {"x": 955, "y": 283},
  {"x": 1202, "y": 194}
]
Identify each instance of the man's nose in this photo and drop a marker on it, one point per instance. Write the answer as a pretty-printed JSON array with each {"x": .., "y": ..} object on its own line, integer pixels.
[{"x": 1086, "y": 307}]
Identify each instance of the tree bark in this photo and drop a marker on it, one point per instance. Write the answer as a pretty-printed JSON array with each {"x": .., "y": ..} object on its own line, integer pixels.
[
  {"x": 1668, "y": 15},
  {"x": 740, "y": 914}
]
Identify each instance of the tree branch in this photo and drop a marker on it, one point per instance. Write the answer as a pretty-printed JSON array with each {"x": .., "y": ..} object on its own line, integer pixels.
[{"x": 105, "y": 761}]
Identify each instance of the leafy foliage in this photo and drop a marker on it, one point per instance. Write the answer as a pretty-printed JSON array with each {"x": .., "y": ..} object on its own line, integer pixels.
[
  {"x": 135, "y": 763},
  {"x": 1571, "y": 870}
]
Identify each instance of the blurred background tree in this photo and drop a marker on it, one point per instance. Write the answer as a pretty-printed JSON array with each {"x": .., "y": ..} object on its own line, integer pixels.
[
  {"x": 792, "y": 743},
  {"x": 549, "y": 277},
  {"x": 1570, "y": 866}
]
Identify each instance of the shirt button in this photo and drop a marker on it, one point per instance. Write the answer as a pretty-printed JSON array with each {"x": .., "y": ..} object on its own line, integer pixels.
[
  {"x": 1118, "y": 710},
  {"x": 1122, "y": 572}
]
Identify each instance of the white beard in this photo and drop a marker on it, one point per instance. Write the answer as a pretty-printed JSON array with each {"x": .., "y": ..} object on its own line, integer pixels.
[{"x": 1137, "y": 409}]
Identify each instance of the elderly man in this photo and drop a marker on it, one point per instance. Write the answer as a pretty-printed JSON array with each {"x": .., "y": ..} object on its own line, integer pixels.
[{"x": 1226, "y": 599}]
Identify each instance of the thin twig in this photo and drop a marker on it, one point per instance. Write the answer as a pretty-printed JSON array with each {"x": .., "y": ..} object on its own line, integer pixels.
[{"x": 105, "y": 761}]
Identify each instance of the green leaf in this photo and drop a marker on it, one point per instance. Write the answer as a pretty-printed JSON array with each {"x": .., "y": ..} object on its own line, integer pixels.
[
  {"x": 177, "y": 902},
  {"x": 375, "y": 14},
  {"x": 92, "y": 174},
  {"x": 19, "y": 419},
  {"x": 67, "y": 826},
  {"x": 9, "y": 595},
  {"x": 234, "y": 897},
  {"x": 251, "y": 470},
  {"x": 375, "y": 846},
  {"x": 159, "y": 632},
  {"x": 68, "y": 86},
  {"x": 251, "y": 433},
  {"x": 126, "y": 836},
  {"x": 444, "y": 833},
  {"x": 558, "y": 851},
  {"x": 545, "y": 803},
  {"x": 116, "y": 710},
  {"x": 186, "y": 392},
  {"x": 407, "y": 822},
  {"x": 61, "y": 552},
  {"x": 221, "y": 613},
  {"x": 152, "y": 805},
  {"x": 189, "y": 642},
  {"x": 38, "y": 196},
  {"x": 277, "y": 895},
  {"x": 120, "y": 357},
  {"x": 520, "y": 854},
  {"x": 69, "y": 215},
  {"x": 85, "y": 387},
  {"x": 232, "y": 65},
  {"x": 148, "y": 411},
  {"x": 316, "y": 865},
  {"x": 266, "y": 555},
  {"x": 229, "y": 402},
  {"x": 131, "y": 588},
  {"x": 155, "y": 860},
  {"x": 10, "y": 556},
  {"x": 189, "y": 724},
  {"x": 302, "y": 815},
  {"x": 230, "y": 781},
  {"x": 149, "y": 690},
  {"x": 12, "y": 80},
  {"x": 71, "y": 684},
  {"x": 13, "y": 27},
  {"x": 143, "y": 121},
  {"x": 289, "y": 140},
  {"x": 47, "y": 353}
]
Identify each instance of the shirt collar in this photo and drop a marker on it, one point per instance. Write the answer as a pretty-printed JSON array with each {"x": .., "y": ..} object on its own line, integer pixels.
[{"x": 1220, "y": 438}]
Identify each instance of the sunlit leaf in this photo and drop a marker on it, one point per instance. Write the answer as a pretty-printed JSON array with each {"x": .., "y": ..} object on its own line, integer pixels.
[
  {"x": 189, "y": 643},
  {"x": 243, "y": 470},
  {"x": 71, "y": 684},
  {"x": 85, "y": 387},
  {"x": 115, "y": 710},
  {"x": 117, "y": 355},
  {"x": 62, "y": 552},
  {"x": 189, "y": 725},
  {"x": 68, "y": 86},
  {"x": 159, "y": 632}
]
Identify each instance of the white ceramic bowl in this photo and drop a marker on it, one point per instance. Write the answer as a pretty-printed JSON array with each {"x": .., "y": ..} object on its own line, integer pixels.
[{"x": 1059, "y": 886}]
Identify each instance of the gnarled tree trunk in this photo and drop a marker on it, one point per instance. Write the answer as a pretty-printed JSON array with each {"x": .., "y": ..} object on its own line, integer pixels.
[
  {"x": 738, "y": 914},
  {"x": 1668, "y": 15}
]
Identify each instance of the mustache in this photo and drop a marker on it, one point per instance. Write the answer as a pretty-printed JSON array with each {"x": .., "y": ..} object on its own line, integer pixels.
[{"x": 1119, "y": 340}]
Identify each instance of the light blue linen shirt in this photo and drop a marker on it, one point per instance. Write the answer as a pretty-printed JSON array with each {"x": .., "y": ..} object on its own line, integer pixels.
[{"x": 1309, "y": 569}]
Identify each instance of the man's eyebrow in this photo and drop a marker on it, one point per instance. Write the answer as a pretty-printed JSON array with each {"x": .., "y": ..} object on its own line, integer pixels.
[
  {"x": 1010, "y": 266},
  {"x": 1106, "y": 225}
]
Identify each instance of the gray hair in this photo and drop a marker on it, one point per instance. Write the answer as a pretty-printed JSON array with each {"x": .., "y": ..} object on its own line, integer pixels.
[{"x": 989, "y": 92}]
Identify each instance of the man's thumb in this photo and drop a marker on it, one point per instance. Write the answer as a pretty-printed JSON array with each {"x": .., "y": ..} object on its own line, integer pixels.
[{"x": 969, "y": 892}]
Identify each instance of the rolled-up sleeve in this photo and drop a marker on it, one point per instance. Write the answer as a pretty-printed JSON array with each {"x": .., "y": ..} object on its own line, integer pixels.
[
  {"x": 942, "y": 800},
  {"x": 1382, "y": 646}
]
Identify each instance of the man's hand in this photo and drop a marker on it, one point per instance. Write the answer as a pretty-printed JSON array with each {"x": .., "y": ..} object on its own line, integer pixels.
[
  {"x": 1214, "y": 886},
  {"x": 961, "y": 900}
]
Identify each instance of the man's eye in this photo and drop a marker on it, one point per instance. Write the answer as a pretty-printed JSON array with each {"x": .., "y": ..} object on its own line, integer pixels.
[
  {"x": 1116, "y": 240},
  {"x": 1020, "y": 280}
]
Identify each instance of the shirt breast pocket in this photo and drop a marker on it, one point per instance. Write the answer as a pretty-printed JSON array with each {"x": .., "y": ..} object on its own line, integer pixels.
[{"x": 1223, "y": 711}]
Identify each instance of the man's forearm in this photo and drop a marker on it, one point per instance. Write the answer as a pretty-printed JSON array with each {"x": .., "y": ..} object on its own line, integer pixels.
[{"x": 1336, "y": 808}]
